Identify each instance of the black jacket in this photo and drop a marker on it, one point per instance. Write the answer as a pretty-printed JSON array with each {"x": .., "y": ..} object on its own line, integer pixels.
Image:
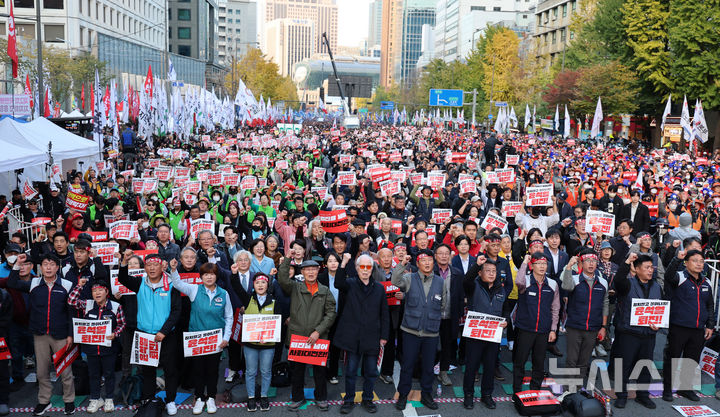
[{"x": 642, "y": 217}]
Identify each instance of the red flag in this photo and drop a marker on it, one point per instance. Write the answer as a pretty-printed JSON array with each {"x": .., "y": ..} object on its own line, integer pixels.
[
  {"x": 28, "y": 91},
  {"x": 92, "y": 97},
  {"x": 149, "y": 82},
  {"x": 46, "y": 112},
  {"x": 12, "y": 42},
  {"x": 82, "y": 97},
  {"x": 106, "y": 101}
]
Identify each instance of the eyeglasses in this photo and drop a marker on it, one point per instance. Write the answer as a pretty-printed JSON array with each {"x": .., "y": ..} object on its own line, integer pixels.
[{"x": 365, "y": 267}]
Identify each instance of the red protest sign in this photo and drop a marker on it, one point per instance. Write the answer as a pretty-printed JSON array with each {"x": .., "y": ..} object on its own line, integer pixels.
[
  {"x": 300, "y": 351},
  {"x": 440, "y": 216},
  {"x": 106, "y": 252},
  {"x": 390, "y": 291},
  {"x": 537, "y": 398},
  {"x": 539, "y": 195},
  {"x": 492, "y": 221},
  {"x": 198, "y": 225},
  {"x": 249, "y": 183},
  {"x": 143, "y": 253},
  {"x": 467, "y": 187},
  {"x": 379, "y": 174},
  {"x": 214, "y": 178},
  {"x": 4, "y": 350},
  {"x": 390, "y": 188},
  {"x": 599, "y": 222},
  {"x": 707, "y": 361},
  {"x": 64, "y": 357},
  {"x": 346, "y": 178},
  {"x": 646, "y": 312},
  {"x": 512, "y": 159},
  {"x": 145, "y": 350},
  {"x": 335, "y": 221},
  {"x": 77, "y": 202},
  {"x": 117, "y": 288},
  {"x": 124, "y": 229},
  {"x": 41, "y": 221}
]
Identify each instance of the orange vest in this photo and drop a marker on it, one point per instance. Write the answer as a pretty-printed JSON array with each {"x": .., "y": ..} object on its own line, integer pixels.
[
  {"x": 572, "y": 198},
  {"x": 674, "y": 220}
]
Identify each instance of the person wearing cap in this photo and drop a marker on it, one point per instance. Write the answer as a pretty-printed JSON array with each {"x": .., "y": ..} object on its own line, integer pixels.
[
  {"x": 101, "y": 359},
  {"x": 425, "y": 204},
  {"x": 637, "y": 212},
  {"x": 53, "y": 200},
  {"x": 634, "y": 343},
  {"x": 397, "y": 210},
  {"x": 210, "y": 309},
  {"x": 692, "y": 318},
  {"x": 11, "y": 251},
  {"x": 50, "y": 324},
  {"x": 536, "y": 315},
  {"x": 159, "y": 308},
  {"x": 312, "y": 313},
  {"x": 84, "y": 266},
  {"x": 643, "y": 246},
  {"x": 587, "y": 309},
  {"x": 32, "y": 211},
  {"x": 426, "y": 296},
  {"x": 73, "y": 226}
]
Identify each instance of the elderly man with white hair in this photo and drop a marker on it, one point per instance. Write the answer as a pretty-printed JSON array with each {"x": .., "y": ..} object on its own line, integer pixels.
[
  {"x": 236, "y": 360},
  {"x": 363, "y": 329}
]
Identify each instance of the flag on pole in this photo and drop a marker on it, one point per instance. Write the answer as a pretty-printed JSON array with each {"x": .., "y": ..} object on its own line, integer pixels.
[
  {"x": 700, "y": 129},
  {"x": 556, "y": 120},
  {"x": 12, "y": 42},
  {"x": 566, "y": 131},
  {"x": 172, "y": 75},
  {"x": 639, "y": 179},
  {"x": 97, "y": 112},
  {"x": 533, "y": 120},
  {"x": 666, "y": 112},
  {"x": 82, "y": 97},
  {"x": 597, "y": 120},
  {"x": 513, "y": 118},
  {"x": 527, "y": 115},
  {"x": 46, "y": 108},
  {"x": 685, "y": 120},
  {"x": 149, "y": 82},
  {"x": 28, "y": 91}
]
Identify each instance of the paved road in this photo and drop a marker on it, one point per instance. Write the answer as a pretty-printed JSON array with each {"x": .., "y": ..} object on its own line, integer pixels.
[{"x": 450, "y": 405}]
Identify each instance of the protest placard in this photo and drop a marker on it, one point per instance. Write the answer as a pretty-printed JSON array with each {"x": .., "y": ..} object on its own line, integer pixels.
[
  {"x": 261, "y": 328},
  {"x": 77, "y": 202},
  {"x": 644, "y": 312},
  {"x": 390, "y": 188},
  {"x": 199, "y": 225},
  {"x": 64, "y": 357},
  {"x": 467, "y": 187},
  {"x": 347, "y": 178},
  {"x": 539, "y": 195},
  {"x": 145, "y": 350},
  {"x": 483, "y": 326},
  {"x": 124, "y": 229},
  {"x": 511, "y": 208},
  {"x": 390, "y": 291},
  {"x": 708, "y": 357},
  {"x": 492, "y": 220},
  {"x": 206, "y": 342},
  {"x": 117, "y": 288},
  {"x": 696, "y": 411},
  {"x": 599, "y": 222},
  {"x": 436, "y": 180},
  {"x": 335, "y": 221},
  {"x": 106, "y": 252},
  {"x": 512, "y": 159},
  {"x": 230, "y": 179},
  {"x": 301, "y": 351},
  {"x": 506, "y": 175},
  {"x": 92, "y": 332},
  {"x": 440, "y": 216}
]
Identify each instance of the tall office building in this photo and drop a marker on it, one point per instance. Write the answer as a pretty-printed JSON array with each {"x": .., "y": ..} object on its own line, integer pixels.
[
  {"x": 391, "y": 42},
  {"x": 289, "y": 41},
  {"x": 375, "y": 24},
  {"x": 193, "y": 29},
  {"x": 552, "y": 29},
  {"x": 237, "y": 29},
  {"x": 416, "y": 13},
  {"x": 323, "y": 14}
]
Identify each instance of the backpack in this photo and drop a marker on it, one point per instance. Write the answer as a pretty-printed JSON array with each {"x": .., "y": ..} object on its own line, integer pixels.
[
  {"x": 151, "y": 408},
  {"x": 280, "y": 375},
  {"x": 81, "y": 375},
  {"x": 131, "y": 389},
  {"x": 584, "y": 404}
]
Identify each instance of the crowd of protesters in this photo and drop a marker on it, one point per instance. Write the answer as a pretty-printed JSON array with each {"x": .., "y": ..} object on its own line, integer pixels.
[{"x": 269, "y": 251}]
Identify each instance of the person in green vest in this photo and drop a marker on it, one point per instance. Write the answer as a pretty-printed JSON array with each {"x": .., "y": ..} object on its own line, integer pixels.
[
  {"x": 210, "y": 309},
  {"x": 264, "y": 206},
  {"x": 258, "y": 355},
  {"x": 175, "y": 217},
  {"x": 96, "y": 214}
]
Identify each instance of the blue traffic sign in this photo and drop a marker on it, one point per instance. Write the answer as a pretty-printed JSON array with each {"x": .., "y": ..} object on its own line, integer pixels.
[
  {"x": 387, "y": 105},
  {"x": 501, "y": 104},
  {"x": 449, "y": 98}
]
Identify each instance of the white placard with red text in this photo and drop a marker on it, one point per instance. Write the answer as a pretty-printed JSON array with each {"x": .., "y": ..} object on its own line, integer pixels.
[
  {"x": 599, "y": 222},
  {"x": 439, "y": 216},
  {"x": 202, "y": 343},
  {"x": 708, "y": 357},
  {"x": 696, "y": 411},
  {"x": 511, "y": 208},
  {"x": 261, "y": 328},
  {"x": 483, "y": 326},
  {"x": 92, "y": 332},
  {"x": 145, "y": 350},
  {"x": 124, "y": 229},
  {"x": 106, "y": 252},
  {"x": 539, "y": 195},
  {"x": 645, "y": 312},
  {"x": 117, "y": 288},
  {"x": 492, "y": 221},
  {"x": 198, "y": 225}
]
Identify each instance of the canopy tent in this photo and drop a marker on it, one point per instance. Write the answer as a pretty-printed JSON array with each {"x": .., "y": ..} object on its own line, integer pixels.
[{"x": 25, "y": 146}]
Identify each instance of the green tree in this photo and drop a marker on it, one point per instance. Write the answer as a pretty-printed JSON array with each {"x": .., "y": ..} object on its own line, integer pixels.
[
  {"x": 646, "y": 28},
  {"x": 262, "y": 77},
  {"x": 613, "y": 82}
]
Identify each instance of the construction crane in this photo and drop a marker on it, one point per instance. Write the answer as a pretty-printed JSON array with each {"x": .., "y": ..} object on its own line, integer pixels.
[{"x": 349, "y": 121}]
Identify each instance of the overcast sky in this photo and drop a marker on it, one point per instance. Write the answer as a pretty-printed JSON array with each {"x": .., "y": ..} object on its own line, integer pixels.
[{"x": 353, "y": 18}]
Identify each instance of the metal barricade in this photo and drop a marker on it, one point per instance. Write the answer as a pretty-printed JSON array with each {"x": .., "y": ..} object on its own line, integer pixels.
[
  {"x": 16, "y": 224},
  {"x": 713, "y": 267}
]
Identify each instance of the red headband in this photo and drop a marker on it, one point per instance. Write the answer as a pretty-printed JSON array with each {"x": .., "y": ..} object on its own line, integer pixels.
[
  {"x": 154, "y": 259},
  {"x": 423, "y": 255},
  {"x": 262, "y": 278},
  {"x": 533, "y": 260},
  {"x": 588, "y": 256}
]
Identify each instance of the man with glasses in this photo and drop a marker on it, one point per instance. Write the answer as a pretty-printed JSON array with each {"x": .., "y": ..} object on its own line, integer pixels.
[{"x": 587, "y": 309}]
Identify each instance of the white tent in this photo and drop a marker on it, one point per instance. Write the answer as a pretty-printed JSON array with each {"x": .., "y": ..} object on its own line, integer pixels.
[{"x": 25, "y": 146}]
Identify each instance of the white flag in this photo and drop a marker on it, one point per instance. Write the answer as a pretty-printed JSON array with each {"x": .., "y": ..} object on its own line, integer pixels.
[
  {"x": 666, "y": 112},
  {"x": 566, "y": 131},
  {"x": 597, "y": 120},
  {"x": 172, "y": 75},
  {"x": 527, "y": 115},
  {"x": 556, "y": 120},
  {"x": 685, "y": 120},
  {"x": 97, "y": 113},
  {"x": 700, "y": 129},
  {"x": 533, "y": 120},
  {"x": 513, "y": 118}
]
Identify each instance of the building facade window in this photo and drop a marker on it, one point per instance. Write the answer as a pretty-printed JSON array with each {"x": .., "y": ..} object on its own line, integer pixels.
[
  {"x": 183, "y": 14},
  {"x": 564, "y": 10},
  {"x": 53, "y": 4},
  {"x": 183, "y": 33},
  {"x": 184, "y": 50},
  {"x": 54, "y": 33},
  {"x": 496, "y": 9}
]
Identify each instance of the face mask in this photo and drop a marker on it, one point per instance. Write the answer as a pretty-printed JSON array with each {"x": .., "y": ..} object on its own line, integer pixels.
[
  {"x": 216, "y": 197},
  {"x": 620, "y": 191},
  {"x": 256, "y": 228},
  {"x": 532, "y": 177},
  {"x": 145, "y": 225},
  {"x": 12, "y": 259}
]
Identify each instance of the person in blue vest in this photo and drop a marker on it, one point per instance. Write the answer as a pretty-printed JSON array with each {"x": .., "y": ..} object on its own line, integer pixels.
[
  {"x": 486, "y": 292},
  {"x": 634, "y": 343},
  {"x": 129, "y": 139},
  {"x": 210, "y": 310},
  {"x": 425, "y": 300},
  {"x": 587, "y": 309},
  {"x": 536, "y": 315},
  {"x": 159, "y": 309},
  {"x": 692, "y": 318},
  {"x": 101, "y": 359}
]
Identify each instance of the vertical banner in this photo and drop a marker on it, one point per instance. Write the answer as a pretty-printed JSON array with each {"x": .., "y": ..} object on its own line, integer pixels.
[{"x": 145, "y": 350}]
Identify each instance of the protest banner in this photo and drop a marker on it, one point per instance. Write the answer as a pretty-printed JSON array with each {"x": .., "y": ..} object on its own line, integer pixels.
[
  {"x": 301, "y": 351},
  {"x": 512, "y": 159},
  {"x": 206, "y": 342},
  {"x": 483, "y": 326},
  {"x": 318, "y": 173},
  {"x": 236, "y": 329},
  {"x": 92, "y": 332},
  {"x": 398, "y": 175},
  {"x": 696, "y": 411},
  {"x": 301, "y": 165},
  {"x": 335, "y": 221},
  {"x": 492, "y": 177},
  {"x": 249, "y": 182},
  {"x": 162, "y": 173},
  {"x": 106, "y": 252},
  {"x": 379, "y": 174},
  {"x": 537, "y": 398},
  {"x": 347, "y": 178},
  {"x": 117, "y": 288},
  {"x": 440, "y": 216},
  {"x": 64, "y": 357},
  {"x": 390, "y": 291},
  {"x": 199, "y": 225},
  {"x": 261, "y": 328},
  {"x": 28, "y": 191},
  {"x": 505, "y": 175},
  {"x": 389, "y": 188},
  {"x": 281, "y": 164},
  {"x": 145, "y": 350},
  {"x": 110, "y": 219},
  {"x": 467, "y": 187},
  {"x": 645, "y": 312},
  {"x": 124, "y": 229},
  {"x": 436, "y": 180},
  {"x": 416, "y": 177},
  {"x": 511, "y": 208},
  {"x": 321, "y": 192},
  {"x": 181, "y": 171},
  {"x": 215, "y": 178},
  {"x": 708, "y": 357},
  {"x": 194, "y": 187},
  {"x": 492, "y": 220},
  {"x": 230, "y": 179},
  {"x": 77, "y": 202},
  {"x": 40, "y": 221},
  {"x": 539, "y": 195},
  {"x": 4, "y": 350},
  {"x": 599, "y": 222}
]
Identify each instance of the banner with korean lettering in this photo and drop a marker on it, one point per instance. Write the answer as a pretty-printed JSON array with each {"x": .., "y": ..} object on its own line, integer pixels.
[
  {"x": 708, "y": 357},
  {"x": 64, "y": 357},
  {"x": 539, "y": 195},
  {"x": 512, "y": 159},
  {"x": 492, "y": 221},
  {"x": 106, "y": 252},
  {"x": 599, "y": 222},
  {"x": 92, "y": 332},
  {"x": 124, "y": 229},
  {"x": 335, "y": 221},
  {"x": 390, "y": 291},
  {"x": 249, "y": 182},
  {"x": 696, "y": 411},
  {"x": 4, "y": 350},
  {"x": 301, "y": 351},
  {"x": 511, "y": 208},
  {"x": 483, "y": 326},
  {"x": 440, "y": 216},
  {"x": 467, "y": 187},
  {"x": 198, "y": 225},
  {"x": 389, "y": 188},
  {"x": 261, "y": 328},
  {"x": 202, "y": 343},
  {"x": 117, "y": 288},
  {"x": 506, "y": 175},
  {"x": 77, "y": 202},
  {"x": 347, "y": 178},
  {"x": 145, "y": 350},
  {"x": 644, "y": 312}
]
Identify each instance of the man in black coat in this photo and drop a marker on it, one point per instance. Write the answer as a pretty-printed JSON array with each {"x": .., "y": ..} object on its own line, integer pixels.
[
  {"x": 637, "y": 212},
  {"x": 454, "y": 308},
  {"x": 363, "y": 329}
]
